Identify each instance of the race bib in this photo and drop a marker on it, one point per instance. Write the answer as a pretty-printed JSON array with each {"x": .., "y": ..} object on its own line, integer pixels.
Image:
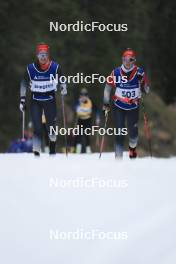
[
  {"x": 43, "y": 86},
  {"x": 128, "y": 93}
]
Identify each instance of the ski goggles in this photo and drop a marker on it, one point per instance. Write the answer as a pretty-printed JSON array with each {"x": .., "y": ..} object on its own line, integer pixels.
[
  {"x": 42, "y": 55},
  {"x": 128, "y": 59}
]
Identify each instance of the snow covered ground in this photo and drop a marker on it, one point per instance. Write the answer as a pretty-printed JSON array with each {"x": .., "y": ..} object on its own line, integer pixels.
[{"x": 43, "y": 197}]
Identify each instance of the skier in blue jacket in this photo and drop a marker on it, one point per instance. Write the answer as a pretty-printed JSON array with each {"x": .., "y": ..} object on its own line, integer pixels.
[{"x": 38, "y": 78}]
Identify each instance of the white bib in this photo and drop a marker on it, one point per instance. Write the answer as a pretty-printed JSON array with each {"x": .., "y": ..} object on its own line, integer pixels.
[
  {"x": 43, "y": 86},
  {"x": 128, "y": 93}
]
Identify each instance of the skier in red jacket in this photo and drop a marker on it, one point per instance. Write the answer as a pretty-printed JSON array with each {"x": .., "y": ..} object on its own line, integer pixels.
[{"x": 126, "y": 99}]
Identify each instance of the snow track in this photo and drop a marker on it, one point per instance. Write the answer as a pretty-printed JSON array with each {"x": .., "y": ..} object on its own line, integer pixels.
[{"x": 39, "y": 196}]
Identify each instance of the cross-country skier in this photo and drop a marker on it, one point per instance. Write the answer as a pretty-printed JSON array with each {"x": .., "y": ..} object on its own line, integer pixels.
[
  {"x": 85, "y": 108},
  {"x": 43, "y": 88},
  {"x": 126, "y": 99}
]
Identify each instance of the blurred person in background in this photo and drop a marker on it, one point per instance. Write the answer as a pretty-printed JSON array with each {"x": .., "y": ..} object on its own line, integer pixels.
[
  {"x": 22, "y": 145},
  {"x": 84, "y": 109}
]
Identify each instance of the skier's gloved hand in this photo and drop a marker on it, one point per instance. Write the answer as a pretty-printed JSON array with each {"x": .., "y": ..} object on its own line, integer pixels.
[
  {"x": 63, "y": 89},
  {"x": 22, "y": 105},
  {"x": 143, "y": 83},
  {"x": 106, "y": 108}
]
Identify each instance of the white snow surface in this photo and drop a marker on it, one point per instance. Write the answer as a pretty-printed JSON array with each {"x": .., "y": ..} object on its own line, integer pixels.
[{"x": 32, "y": 205}]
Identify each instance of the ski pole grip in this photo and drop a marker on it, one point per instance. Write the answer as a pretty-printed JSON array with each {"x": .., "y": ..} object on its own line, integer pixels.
[{"x": 106, "y": 112}]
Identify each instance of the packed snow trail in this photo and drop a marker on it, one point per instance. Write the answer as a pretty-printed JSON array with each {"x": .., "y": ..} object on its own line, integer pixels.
[{"x": 32, "y": 204}]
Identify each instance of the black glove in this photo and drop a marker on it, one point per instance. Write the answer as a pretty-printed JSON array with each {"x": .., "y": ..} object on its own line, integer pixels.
[
  {"x": 22, "y": 105},
  {"x": 106, "y": 108}
]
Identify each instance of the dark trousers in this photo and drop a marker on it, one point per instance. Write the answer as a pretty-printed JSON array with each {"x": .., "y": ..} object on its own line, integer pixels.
[
  {"x": 45, "y": 137},
  {"x": 37, "y": 108},
  {"x": 131, "y": 117},
  {"x": 83, "y": 139}
]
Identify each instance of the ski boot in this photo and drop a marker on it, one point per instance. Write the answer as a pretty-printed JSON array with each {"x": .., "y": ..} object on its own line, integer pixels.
[
  {"x": 88, "y": 149},
  {"x": 132, "y": 153},
  {"x": 36, "y": 153},
  {"x": 78, "y": 148}
]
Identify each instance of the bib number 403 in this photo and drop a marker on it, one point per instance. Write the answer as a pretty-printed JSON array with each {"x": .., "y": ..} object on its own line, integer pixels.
[{"x": 128, "y": 94}]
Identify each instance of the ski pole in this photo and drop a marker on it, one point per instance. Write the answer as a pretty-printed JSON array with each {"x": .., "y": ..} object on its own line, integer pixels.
[
  {"x": 97, "y": 141},
  {"x": 103, "y": 137},
  {"x": 147, "y": 131},
  {"x": 64, "y": 121},
  {"x": 23, "y": 125}
]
